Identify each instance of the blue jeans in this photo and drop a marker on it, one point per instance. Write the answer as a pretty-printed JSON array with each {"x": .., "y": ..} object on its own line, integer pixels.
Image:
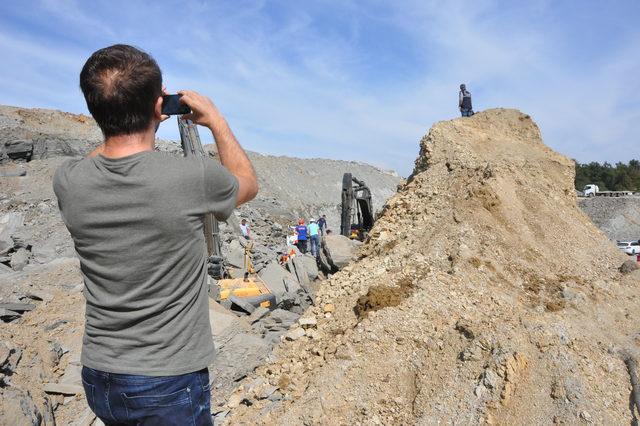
[
  {"x": 466, "y": 112},
  {"x": 314, "y": 245},
  {"x": 123, "y": 399}
]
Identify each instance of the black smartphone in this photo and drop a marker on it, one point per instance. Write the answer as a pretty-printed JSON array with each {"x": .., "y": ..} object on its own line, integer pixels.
[{"x": 171, "y": 105}]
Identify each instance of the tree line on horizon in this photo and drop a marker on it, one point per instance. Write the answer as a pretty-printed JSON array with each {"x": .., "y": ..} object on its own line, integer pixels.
[{"x": 621, "y": 177}]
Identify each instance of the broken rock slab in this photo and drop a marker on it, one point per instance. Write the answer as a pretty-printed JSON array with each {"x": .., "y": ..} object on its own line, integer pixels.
[
  {"x": 8, "y": 315},
  {"x": 45, "y": 252},
  {"x": 278, "y": 280},
  {"x": 9, "y": 224},
  {"x": 13, "y": 173},
  {"x": 242, "y": 304},
  {"x": 19, "y": 259},
  {"x": 18, "y": 408},
  {"x": 19, "y": 149},
  {"x": 301, "y": 271},
  {"x": 259, "y": 313},
  {"x": 284, "y": 318},
  {"x": 63, "y": 388},
  {"x": 18, "y": 307},
  {"x": 238, "y": 358},
  {"x": 224, "y": 324},
  {"x": 311, "y": 265},
  {"x": 294, "y": 334},
  {"x": 339, "y": 250},
  {"x": 235, "y": 257},
  {"x": 5, "y": 270},
  {"x": 39, "y": 295}
]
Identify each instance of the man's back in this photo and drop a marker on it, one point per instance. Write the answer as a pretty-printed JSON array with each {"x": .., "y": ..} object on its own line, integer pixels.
[
  {"x": 302, "y": 232},
  {"x": 136, "y": 222},
  {"x": 314, "y": 229}
]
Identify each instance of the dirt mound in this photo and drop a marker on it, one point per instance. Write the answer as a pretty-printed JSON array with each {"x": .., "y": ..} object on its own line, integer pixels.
[{"x": 484, "y": 294}]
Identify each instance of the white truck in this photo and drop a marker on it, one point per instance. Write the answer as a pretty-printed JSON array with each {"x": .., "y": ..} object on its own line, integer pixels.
[{"x": 592, "y": 190}]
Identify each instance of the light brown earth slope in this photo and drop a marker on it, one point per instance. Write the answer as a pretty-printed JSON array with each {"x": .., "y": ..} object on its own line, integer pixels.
[{"x": 484, "y": 295}]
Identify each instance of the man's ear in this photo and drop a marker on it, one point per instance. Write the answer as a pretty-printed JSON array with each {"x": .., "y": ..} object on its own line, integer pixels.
[{"x": 157, "y": 110}]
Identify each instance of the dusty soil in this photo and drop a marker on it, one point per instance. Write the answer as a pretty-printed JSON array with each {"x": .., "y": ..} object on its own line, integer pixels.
[{"x": 485, "y": 295}]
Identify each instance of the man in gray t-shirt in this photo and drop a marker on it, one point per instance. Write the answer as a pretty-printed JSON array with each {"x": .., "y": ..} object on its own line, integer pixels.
[{"x": 135, "y": 216}]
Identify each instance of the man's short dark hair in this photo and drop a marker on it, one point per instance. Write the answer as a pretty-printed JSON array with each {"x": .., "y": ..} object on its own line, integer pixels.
[{"x": 121, "y": 85}]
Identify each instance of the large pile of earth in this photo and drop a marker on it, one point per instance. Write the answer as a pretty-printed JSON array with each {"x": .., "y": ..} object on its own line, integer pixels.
[{"x": 484, "y": 295}]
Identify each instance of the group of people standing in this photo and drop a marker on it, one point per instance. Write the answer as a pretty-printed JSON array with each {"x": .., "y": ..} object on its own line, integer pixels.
[
  {"x": 309, "y": 235},
  {"x": 305, "y": 237}
]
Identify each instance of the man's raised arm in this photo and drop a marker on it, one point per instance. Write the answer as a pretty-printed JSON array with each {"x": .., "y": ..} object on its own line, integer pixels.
[{"x": 232, "y": 156}]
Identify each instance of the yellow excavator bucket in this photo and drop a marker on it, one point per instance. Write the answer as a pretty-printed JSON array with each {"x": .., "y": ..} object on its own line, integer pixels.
[
  {"x": 250, "y": 288},
  {"x": 244, "y": 288}
]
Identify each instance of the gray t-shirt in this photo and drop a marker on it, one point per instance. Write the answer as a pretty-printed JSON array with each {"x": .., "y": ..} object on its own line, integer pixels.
[{"x": 136, "y": 223}]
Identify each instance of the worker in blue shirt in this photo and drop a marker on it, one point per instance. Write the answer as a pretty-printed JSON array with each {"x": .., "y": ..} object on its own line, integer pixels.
[
  {"x": 314, "y": 237},
  {"x": 301, "y": 230},
  {"x": 322, "y": 223}
]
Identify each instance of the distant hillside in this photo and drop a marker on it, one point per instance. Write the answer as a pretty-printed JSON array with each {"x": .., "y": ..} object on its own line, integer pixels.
[{"x": 289, "y": 187}]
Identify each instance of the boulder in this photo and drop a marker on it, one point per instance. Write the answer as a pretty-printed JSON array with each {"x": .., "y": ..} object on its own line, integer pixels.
[
  {"x": 311, "y": 265},
  {"x": 5, "y": 270},
  {"x": 224, "y": 324},
  {"x": 339, "y": 249},
  {"x": 236, "y": 254},
  {"x": 284, "y": 318},
  {"x": 9, "y": 224},
  {"x": 301, "y": 271},
  {"x": 19, "y": 149},
  {"x": 238, "y": 358},
  {"x": 19, "y": 259},
  {"x": 45, "y": 252},
  {"x": 324, "y": 262},
  {"x": 294, "y": 334},
  {"x": 242, "y": 304},
  {"x": 629, "y": 266},
  {"x": 278, "y": 280},
  {"x": 18, "y": 408}
]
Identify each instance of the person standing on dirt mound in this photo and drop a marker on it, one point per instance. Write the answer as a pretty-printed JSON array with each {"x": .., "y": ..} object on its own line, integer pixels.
[
  {"x": 464, "y": 102},
  {"x": 135, "y": 216}
]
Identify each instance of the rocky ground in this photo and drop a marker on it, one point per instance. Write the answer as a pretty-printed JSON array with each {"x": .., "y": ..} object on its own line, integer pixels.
[
  {"x": 41, "y": 303},
  {"x": 619, "y": 218},
  {"x": 470, "y": 304}
]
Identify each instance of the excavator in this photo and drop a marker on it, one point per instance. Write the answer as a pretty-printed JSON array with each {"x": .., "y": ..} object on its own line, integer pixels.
[
  {"x": 356, "y": 218},
  {"x": 244, "y": 288}
]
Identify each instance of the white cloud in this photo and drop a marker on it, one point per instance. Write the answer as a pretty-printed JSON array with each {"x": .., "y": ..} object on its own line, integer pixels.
[{"x": 350, "y": 80}]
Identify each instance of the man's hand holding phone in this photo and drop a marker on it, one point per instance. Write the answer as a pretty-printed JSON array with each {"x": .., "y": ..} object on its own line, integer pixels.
[{"x": 203, "y": 111}]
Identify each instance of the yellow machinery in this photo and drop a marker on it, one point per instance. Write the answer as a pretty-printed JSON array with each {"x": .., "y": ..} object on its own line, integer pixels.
[{"x": 250, "y": 288}]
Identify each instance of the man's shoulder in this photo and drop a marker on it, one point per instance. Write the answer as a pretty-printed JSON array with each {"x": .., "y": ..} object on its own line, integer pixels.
[
  {"x": 192, "y": 163},
  {"x": 63, "y": 170}
]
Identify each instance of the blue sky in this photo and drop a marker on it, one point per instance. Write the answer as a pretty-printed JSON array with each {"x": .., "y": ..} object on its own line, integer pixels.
[{"x": 352, "y": 80}]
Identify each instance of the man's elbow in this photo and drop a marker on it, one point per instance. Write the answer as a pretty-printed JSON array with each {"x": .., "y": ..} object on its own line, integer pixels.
[
  {"x": 253, "y": 190},
  {"x": 248, "y": 190}
]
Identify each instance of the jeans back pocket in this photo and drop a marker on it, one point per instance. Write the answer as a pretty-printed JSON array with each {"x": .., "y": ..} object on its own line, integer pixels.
[
  {"x": 180, "y": 397},
  {"x": 171, "y": 408}
]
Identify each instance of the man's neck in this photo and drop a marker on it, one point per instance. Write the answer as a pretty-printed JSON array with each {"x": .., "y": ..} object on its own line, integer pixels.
[{"x": 125, "y": 145}]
